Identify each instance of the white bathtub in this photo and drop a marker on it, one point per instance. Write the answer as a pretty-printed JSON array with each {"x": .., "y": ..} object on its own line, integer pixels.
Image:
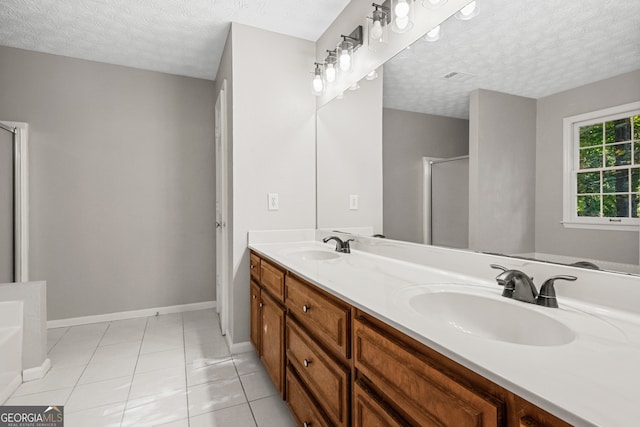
[{"x": 11, "y": 326}]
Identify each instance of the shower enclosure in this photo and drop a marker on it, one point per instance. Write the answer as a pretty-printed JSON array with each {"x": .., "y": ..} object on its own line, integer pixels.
[{"x": 13, "y": 202}]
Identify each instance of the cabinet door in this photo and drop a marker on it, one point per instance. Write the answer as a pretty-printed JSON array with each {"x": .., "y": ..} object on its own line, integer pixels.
[
  {"x": 302, "y": 405},
  {"x": 272, "y": 340},
  {"x": 256, "y": 316},
  {"x": 368, "y": 412}
]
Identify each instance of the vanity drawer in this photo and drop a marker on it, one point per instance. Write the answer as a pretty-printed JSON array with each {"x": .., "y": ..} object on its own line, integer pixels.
[
  {"x": 325, "y": 318},
  {"x": 304, "y": 409},
  {"x": 326, "y": 378},
  {"x": 369, "y": 412},
  {"x": 424, "y": 394},
  {"x": 272, "y": 278},
  {"x": 254, "y": 266}
]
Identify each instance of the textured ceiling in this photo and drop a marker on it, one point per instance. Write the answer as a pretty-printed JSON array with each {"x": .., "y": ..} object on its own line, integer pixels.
[
  {"x": 184, "y": 37},
  {"x": 531, "y": 49}
]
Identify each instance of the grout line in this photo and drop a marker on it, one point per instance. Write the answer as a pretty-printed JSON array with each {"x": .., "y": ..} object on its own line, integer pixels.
[
  {"x": 186, "y": 373},
  {"x": 244, "y": 391},
  {"x": 126, "y": 402},
  {"x": 57, "y": 341}
]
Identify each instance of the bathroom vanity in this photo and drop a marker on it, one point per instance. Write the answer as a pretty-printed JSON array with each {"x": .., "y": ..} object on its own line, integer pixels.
[{"x": 364, "y": 340}]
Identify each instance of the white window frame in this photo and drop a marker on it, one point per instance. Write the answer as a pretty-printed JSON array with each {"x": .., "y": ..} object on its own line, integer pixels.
[{"x": 571, "y": 163}]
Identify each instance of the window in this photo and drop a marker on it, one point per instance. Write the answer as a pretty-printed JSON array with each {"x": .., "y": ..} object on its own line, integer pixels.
[{"x": 602, "y": 169}]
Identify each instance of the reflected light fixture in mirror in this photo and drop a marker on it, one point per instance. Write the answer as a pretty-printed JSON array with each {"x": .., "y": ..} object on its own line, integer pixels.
[
  {"x": 372, "y": 75},
  {"x": 434, "y": 35},
  {"x": 377, "y": 25},
  {"x": 330, "y": 68},
  {"x": 347, "y": 46},
  {"x": 318, "y": 82},
  {"x": 433, "y": 4},
  {"x": 402, "y": 15},
  {"x": 468, "y": 12}
]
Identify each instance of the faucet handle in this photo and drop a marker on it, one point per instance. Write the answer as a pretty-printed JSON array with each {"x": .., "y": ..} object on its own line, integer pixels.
[
  {"x": 345, "y": 246},
  {"x": 547, "y": 297},
  {"x": 499, "y": 267}
]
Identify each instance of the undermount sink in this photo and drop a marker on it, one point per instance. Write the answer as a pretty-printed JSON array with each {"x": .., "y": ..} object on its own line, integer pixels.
[
  {"x": 315, "y": 255},
  {"x": 492, "y": 318}
]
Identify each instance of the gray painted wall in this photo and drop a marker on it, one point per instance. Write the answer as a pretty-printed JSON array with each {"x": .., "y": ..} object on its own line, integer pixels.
[
  {"x": 450, "y": 204},
  {"x": 407, "y": 138},
  {"x": 502, "y": 157},
  {"x": 121, "y": 182},
  {"x": 550, "y": 235},
  {"x": 6, "y": 206},
  {"x": 349, "y": 159},
  {"x": 273, "y": 146}
]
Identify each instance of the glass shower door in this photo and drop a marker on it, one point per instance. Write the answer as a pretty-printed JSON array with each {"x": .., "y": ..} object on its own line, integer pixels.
[{"x": 7, "y": 210}]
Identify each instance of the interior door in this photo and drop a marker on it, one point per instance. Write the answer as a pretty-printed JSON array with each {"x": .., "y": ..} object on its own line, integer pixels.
[
  {"x": 450, "y": 203},
  {"x": 222, "y": 277}
]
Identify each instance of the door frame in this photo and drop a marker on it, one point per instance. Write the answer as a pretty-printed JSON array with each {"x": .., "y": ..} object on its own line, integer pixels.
[
  {"x": 21, "y": 197},
  {"x": 222, "y": 209}
]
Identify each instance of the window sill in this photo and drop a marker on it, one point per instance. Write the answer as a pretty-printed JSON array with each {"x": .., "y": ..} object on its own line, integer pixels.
[{"x": 608, "y": 227}]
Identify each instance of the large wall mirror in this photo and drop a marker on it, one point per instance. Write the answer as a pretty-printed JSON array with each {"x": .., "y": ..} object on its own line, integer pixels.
[{"x": 460, "y": 140}]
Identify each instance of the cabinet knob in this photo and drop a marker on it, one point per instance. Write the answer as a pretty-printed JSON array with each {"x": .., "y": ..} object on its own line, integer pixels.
[
  {"x": 254, "y": 297},
  {"x": 252, "y": 266},
  {"x": 306, "y": 363},
  {"x": 261, "y": 305},
  {"x": 305, "y": 308},
  {"x": 306, "y": 424}
]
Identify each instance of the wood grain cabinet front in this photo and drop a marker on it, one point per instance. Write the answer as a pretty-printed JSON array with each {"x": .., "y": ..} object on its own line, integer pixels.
[
  {"x": 254, "y": 267},
  {"x": 303, "y": 407},
  {"x": 369, "y": 411},
  {"x": 256, "y": 315},
  {"x": 272, "y": 340},
  {"x": 272, "y": 279}
]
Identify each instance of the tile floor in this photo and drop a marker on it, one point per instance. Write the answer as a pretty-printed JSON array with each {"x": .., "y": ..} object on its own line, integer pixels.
[{"x": 170, "y": 370}]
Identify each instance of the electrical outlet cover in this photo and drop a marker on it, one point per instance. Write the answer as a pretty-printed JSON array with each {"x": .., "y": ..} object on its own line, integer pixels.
[{"x": 273, "y": 202}]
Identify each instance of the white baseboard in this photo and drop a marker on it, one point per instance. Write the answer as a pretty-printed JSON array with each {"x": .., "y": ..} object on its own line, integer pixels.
[
  {"x": 8, "y": 390},
  {"x": 123, "y": 315},
  {"x": 37, "y": 372},
  {"x": 237, "y": 348}
]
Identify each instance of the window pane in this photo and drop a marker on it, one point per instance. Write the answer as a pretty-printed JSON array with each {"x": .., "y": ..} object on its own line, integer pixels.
[
  {"x": 591, "y": 135},
  {"x": 588, "y": 205},
  {"x": 635, "y": 206},
  {"x": 636, "y": 127},
  {"x": 635, "y": 180},
  {"x": 615, "y": 206},
  {"x": 618, "y": 155},
  {"x": 637, "y": 153},
  {"x": 618, "y": 131},
  {"x": 591, "y": 158},
  {"x": 615, "y": 181},
  {"x": 589, "y": 182}
]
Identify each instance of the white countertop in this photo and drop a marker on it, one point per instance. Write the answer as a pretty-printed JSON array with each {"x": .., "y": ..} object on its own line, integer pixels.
[{"x": 592, "y": 380}]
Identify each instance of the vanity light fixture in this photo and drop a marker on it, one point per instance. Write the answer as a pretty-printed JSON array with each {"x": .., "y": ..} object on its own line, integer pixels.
[
  {"x": 354, "y": 86},
  {"x": 433, "y": 4},
  {"x": 330, "y": 67},
  {"x": 372, "y": 75},
  {"x": 377, "y": 24},
  {"x": 434, "y": 35},
  {"x": 470, "y": 11},
  {"x": 401, "y": 15},
  {"x": 347, "y": 46},
  {"x": 318, "y": 82}
]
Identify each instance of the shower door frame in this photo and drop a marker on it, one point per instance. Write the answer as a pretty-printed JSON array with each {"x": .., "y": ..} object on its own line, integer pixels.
[{"x": 21, "y": 197}]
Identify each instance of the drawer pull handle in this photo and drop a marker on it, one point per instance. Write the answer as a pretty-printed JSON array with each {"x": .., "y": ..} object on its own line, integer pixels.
[
  {"x": 306, "y": 363},
  {"x": 305, "y": 308},
  {"x": 252, "y": 266},
  {"x": 306, "y": 424},
  {"x": 254, "y": 297},
  {"x": 261, "y": 305}
]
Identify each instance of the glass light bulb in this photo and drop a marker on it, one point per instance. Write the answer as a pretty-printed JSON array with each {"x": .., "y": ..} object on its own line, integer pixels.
[
  {"x": 318, "y": 84},
  {"x": 345, "y": 60},
  {"x": 330, "y": 73},
  {"x": 402, "y": 22},
  {"x": 372, "y": 75},
  {"x": 433, "y": 35},
  {"x": 468, "y": 9},
  {"x": 402, "y": 9},
  {"x": 376, "y": 30}
]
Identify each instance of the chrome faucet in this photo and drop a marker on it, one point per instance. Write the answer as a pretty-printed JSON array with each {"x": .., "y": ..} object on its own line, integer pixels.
[
  {"x": 341, "y": 246},
  {"x": 519, "y": 286}
]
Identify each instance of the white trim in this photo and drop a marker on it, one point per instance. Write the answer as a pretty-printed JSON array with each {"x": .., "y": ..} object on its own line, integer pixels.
[
  {"x": 426, "y": 198},
  {"x": 21, "y": 212},
  {"x": 8, "y": 390},
  {"x": 36, "y": 373},
  {"x": 241, "y": 347},
  {"x": 123, "y": 315},
  {"x": 569, "y": 217}
]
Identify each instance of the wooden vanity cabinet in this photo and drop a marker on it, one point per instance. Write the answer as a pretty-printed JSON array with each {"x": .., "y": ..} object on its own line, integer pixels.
[{"x": 256, "y": 315}]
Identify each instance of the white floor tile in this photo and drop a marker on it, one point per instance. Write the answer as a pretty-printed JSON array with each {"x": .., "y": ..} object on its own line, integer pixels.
[
  {"x": 53, "y": 336},
  {"x": 258, "y": 385},
  {"x": 155, "y": 382},
  {"x": 99, "y": 394},
  {"x": 247, "y": 363},
  {"x": 116, "y": 351},
  {"x": 121, "y": 335},
  {"x": 197, "y": 374},
  {"x": 69, "y": 357},
  {"x": 165, "y": 409},
  {"x": 206, "y": 355},
  {"x": 209, "y": 397},
  {"x": 67, "y": 344},
  {"x": 160, "y": 360},
  {"x": 235, "y": 416},
  {"x": 56, "y": 378},
  {"x": 102, "y": 416},
  {"x": 179, "y": 423},
  {"x": 272, "y": 411},
  {"x": 84, "y": 332},
  {"x": 156, "y": 343},
  {"x": 208, "y": 336},
  {"x": 106, "y": 369},
  {"x": 47, "y": 398}
]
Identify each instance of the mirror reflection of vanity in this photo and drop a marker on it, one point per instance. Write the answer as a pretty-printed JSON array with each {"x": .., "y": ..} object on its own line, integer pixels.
[{"x": 496, "y": 89}]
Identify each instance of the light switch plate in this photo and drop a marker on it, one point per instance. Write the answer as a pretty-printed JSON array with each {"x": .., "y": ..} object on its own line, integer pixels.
[
  {"x": 353, "y": 202},
  {"x": 273, "y": 202}
]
